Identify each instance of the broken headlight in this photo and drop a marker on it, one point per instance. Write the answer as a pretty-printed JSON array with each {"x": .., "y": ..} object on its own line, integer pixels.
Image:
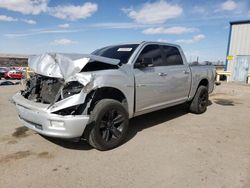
[
  {"x": 71, "y": 88},
  {"x": 67, "y": 111}
]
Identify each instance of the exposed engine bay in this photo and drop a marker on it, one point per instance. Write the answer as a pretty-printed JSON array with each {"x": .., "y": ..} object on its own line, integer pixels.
[
  {"x": 59, "y": 81},
  {"x": 49, "y": 90},
  {"x": 56, "y": 75}
]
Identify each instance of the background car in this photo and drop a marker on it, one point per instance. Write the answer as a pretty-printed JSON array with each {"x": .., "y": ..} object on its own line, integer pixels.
[
  {"x": 3, "y": 70},
  {"x": 13, "y": 74},
  {"x": 6, "y": 83}
]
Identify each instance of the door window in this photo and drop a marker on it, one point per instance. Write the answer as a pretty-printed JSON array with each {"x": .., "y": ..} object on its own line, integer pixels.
[
  {"x": 172, "y": 56},
  {"x": 152, "y": 52}
]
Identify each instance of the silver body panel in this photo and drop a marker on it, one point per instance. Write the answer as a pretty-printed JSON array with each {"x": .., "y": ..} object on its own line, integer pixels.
[
  {"x": 145, "y": 90},
  {"x": 36, "y": 117}
]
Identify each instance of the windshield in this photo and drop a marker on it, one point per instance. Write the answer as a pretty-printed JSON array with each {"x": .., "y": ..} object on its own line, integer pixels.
[{"x": 121, "y": 52}]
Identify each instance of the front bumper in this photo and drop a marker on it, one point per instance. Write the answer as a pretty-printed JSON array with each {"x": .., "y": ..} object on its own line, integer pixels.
[{"x": 36, "y": 117}]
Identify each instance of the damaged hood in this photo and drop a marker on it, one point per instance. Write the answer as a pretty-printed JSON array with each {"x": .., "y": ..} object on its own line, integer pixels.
[{"x": 64, "y": 65}]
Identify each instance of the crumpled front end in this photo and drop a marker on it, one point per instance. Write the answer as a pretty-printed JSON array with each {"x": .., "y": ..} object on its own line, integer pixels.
[
  {"x": 37, "y": 117},
  {"x": 57, "y": 96}
]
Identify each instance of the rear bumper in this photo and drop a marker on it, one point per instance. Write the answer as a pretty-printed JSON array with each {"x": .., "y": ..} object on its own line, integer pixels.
[{"x": 36, "y": 117}]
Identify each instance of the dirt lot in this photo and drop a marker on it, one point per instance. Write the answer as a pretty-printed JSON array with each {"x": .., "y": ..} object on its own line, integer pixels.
[{"x": 168, "y": 148}]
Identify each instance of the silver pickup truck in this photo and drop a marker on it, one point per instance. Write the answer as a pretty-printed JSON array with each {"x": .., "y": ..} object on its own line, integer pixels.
[{"x": 93, "y": 96}]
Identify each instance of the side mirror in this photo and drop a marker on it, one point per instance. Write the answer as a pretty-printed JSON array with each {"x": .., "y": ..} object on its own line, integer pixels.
[{"x": 144, "y": 62}]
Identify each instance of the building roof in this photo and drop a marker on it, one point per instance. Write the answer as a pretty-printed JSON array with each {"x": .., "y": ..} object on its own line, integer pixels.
[{"x": 240, "y": 22}]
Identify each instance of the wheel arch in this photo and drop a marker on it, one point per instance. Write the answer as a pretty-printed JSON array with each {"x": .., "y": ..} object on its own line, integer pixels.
[
  {"x": 102, "y": 93},
  {"x": 196, "y": 84},
  {"x": 106, "y": 93},
  {"x": 203, "y": 82}
]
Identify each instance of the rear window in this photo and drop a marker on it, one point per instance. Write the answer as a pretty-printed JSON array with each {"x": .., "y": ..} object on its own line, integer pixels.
[{"x": 121, "y": 52}]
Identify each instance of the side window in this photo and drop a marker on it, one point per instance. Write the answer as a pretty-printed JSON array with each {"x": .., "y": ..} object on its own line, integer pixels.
[
  {"x": 172, "y": 56},
  {"x": 152, "y": 52}
]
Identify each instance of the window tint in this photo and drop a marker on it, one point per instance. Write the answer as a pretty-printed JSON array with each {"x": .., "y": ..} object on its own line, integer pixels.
[
  {"x": 121, "y": 52},
  {"x": 172, "y": 56},
  {"x": 153, "y": 52}
]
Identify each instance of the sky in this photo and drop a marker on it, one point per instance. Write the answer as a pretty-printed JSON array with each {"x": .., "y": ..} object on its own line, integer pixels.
[{"x": 201, "y": 27}]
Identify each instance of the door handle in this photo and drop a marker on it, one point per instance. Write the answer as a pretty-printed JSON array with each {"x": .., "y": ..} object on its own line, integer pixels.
[
  {"x": 162, "y": 74},
  {"x": 141, "y": 85},
  {"x": 186, "y": 72}
]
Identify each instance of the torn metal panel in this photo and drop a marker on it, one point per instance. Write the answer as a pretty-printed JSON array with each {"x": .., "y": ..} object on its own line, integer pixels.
[
  {"x": 64, "y": 65},
  {"x": 57, "y": 94},
  {"x": 84, "y": 79},
  {"x": 68, "y": 102},
  {"x": 76, "y": 99}
]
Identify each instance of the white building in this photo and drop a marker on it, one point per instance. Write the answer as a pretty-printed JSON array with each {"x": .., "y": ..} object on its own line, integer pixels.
[{"x": 238, "y": 52}]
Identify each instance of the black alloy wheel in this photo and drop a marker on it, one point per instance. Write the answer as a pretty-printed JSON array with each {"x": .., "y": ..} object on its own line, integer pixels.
[
  {"x": 200, "y": 101},
  {"x": 112, "y": 125},
  {"x": 109, "y": 122}
]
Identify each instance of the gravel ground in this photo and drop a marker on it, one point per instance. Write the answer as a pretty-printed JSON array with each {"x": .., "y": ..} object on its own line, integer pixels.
[{"x": 167, "y": 148}]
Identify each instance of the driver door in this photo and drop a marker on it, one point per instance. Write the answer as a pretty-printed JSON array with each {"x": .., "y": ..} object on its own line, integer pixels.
[{"x": 151, "y": 81}]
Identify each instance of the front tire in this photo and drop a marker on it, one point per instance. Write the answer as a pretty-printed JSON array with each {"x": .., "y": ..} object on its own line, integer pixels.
[
  {"x": 109, "y": 121},
  {"x": 200, "y": 101}
]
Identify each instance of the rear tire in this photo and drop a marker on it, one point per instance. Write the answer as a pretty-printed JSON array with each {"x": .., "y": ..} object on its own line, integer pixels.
[
  {"x": 200, "y": 101},
  {"x": 109, "y": 120}
]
